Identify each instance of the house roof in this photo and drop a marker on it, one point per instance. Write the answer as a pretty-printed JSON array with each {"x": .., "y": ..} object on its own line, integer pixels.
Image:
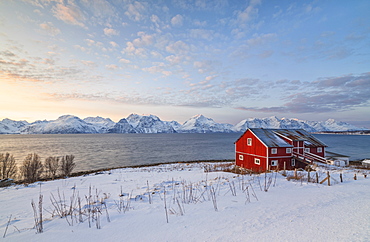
[
  {"x": 300, "y": 135},
  {"x": 332, "y": 154},
  {"x": 273, "y": 137},
  {"x": 269, "y": 138}
]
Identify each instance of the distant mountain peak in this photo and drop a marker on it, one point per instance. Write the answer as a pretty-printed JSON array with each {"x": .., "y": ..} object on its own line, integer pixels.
[{"x": 150, "y": 123}]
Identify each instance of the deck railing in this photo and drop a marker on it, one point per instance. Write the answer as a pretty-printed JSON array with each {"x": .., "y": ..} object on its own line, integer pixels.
[{"x": 309, "y": 157}]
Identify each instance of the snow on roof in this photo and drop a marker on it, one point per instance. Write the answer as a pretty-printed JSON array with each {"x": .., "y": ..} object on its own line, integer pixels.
[
  {"x": 269, "y": 138},
  {"x": 366, "y": 161},
  {"x": 300, "y": 135},
  {"x": 273, "y": 137}
]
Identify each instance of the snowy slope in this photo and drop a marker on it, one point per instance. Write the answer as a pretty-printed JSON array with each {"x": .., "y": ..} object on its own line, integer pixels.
[
  {"x": 201, "y": 124},
  {"x": 136, "y": 123},
  {"x": 291, "y": 123},
  {"x": 149, "y": 124},
  {"x": 122, "y": 127},
  {"x": 175, "y": 125},
  {"x": 102, "y": 125},
  {"x": 136, "y": 201},
  {"x": 67, "y": 124},
  {"x": 8, "y": 126}
]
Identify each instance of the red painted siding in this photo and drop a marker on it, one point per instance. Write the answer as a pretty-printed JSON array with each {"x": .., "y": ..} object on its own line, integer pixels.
[
  {"x": 257, "y": 150},
  {"x": 247, "y": 153}
]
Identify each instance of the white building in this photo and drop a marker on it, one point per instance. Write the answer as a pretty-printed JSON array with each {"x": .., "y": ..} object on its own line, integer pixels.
[{"x": 337, "y": 159}]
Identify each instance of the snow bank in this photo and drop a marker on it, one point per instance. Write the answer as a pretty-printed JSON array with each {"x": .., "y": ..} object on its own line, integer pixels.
[{"x": 200, "y": 206}]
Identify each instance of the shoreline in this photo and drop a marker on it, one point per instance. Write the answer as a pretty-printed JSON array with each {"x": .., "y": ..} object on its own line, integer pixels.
[
  {"x": 354, "y": 164},
  {"x": 97, "y": 171}
]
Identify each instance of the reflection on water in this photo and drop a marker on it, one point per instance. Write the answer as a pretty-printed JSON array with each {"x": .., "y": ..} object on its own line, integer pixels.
[{"x": 97, "y": 151}]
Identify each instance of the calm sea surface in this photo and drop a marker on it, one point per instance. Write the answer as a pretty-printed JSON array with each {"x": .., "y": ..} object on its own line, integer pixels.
[{"x": 97, "y": 151}]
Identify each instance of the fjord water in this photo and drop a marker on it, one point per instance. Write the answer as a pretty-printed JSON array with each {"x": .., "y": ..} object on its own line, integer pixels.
[{"x": 99, "y": 151}]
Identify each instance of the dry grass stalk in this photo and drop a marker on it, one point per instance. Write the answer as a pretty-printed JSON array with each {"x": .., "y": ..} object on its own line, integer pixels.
[{"x": 38, "y": 215}]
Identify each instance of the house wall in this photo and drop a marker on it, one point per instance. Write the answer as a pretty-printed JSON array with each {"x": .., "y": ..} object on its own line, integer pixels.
[
  {"x": 281, "y": 157},
  {"x": 246, "y": 155},
  {"x": 281, "y": 161},
  {"x": 314, "y": 150}
]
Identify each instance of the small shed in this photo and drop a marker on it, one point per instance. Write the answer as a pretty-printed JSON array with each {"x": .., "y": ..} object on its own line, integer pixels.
[
  {"x": 336, "y": 159},
  {"x": 366, "y": 163}
]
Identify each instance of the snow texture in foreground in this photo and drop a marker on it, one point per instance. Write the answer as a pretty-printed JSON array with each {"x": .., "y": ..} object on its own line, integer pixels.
[{"x": 288, "y": 211}]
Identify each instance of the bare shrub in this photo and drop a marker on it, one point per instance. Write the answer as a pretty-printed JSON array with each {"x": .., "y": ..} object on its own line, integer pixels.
[
  {"x": 67, "y": 165},
  {"x": 51, "y": 166},
  {"x": 32, "y": 168},
  {"x": 8, "y": 168}
]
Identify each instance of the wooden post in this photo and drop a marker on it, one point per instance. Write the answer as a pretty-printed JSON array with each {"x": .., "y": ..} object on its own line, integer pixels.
[
  {"x": 365, "y": 175},
  {"x": 295, "y": 173},
  {"x": 328, "y": 179},
  {"x": 308, "y": 177},
  {"x": 341, "y": 177},
  {"x": 317, "y": 177},
  {"x": 355, "y": 177}
]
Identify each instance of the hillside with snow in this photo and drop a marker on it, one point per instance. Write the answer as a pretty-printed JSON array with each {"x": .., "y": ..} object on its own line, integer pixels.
[
  {"x": 201, "y": 124},
  {"x": 8, "y": 126},
  {"x": 184, "y": 202},
  {"x": 101, "y": 125},
  {"x": 136, "y": 123},
  {"x": 67, "y": 124}
]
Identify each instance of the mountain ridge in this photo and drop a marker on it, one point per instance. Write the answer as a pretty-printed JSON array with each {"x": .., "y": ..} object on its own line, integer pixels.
[{"x": 135, "y": 123}]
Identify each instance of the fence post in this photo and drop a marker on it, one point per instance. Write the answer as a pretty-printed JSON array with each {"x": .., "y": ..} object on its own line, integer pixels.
[
  {"x": 355, "y": 177},
  {"x": 341, "y": 177},
  {"x": 328, "y": 179},
  {"x": 317, "y": 177}
]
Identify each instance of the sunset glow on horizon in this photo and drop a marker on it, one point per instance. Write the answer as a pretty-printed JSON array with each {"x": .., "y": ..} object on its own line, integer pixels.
[{"x": 228, "y": 60}]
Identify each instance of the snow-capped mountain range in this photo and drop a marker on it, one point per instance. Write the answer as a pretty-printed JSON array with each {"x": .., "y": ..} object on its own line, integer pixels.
[{"x": 135, "y": 123}]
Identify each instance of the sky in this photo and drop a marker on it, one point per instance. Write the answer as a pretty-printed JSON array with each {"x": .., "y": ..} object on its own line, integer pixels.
[{"x": 226, "y": 59}]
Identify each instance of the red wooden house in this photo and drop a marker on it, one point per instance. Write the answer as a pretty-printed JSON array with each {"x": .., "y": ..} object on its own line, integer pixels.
[{"x": 269, "y": 149}]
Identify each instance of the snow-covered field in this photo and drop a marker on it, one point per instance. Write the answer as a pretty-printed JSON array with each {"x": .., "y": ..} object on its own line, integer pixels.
[{"x": 134, "y": 204}]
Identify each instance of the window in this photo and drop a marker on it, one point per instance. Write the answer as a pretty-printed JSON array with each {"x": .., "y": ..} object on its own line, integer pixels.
[
  {"x": 249, "y": 141},
  {"x": 288, "y": 150},
  {"x": 306, "y": 149},
  {"x": 293, "y": 162},
  {"x": 241, "y": 157},
  {"x": 319, "y": 149},
  {"x": 274, "y": 151},
  {"x": 257, "y": 161},
  {"x": 274, "y": 162}
]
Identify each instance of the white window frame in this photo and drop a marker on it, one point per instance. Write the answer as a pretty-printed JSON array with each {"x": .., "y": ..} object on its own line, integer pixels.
[
  {"x": 274, "y": 151},
  {"x": 249, "y": 141},
  {"x": 307, "y": 150},
  {"x": 274, "y": 162},
  {"x": 241, "y": 157},
  {"x": 257, "y": 161},
  {"x": 292, "y": 162},
  {"x": 289, "y": 150},
  {"x": 319, "y": 149}
]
